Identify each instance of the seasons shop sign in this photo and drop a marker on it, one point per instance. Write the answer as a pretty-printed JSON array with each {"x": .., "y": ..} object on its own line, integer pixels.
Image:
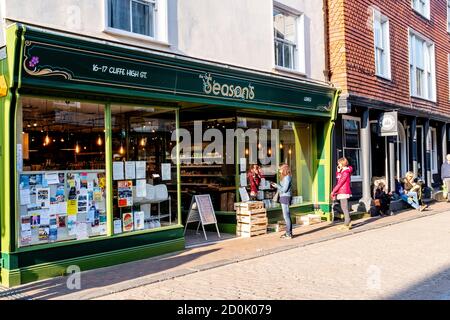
[{"x": 95, "y": 67}]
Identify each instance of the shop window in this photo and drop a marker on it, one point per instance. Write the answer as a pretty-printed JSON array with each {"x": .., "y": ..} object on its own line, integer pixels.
[
  {"x": 144, "y": 175},
  {"x": 288, "y": 26},
  {"x": 146, "y": 18},
  {"x": 382, "y": 47},
  {"x": 204, "y": 170},
  {"x": 422, "y": 68},
  {"x": 352, "y": 149},
  {"x": 61, "y": 171},
  {"x": 276, "y": 144}
]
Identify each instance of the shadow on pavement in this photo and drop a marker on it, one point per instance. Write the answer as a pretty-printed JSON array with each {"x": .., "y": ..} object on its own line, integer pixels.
[{"x": 101, "y": 278}]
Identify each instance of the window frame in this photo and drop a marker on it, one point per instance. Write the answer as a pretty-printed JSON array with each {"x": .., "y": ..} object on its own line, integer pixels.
[
  {"x": 160, "y": 23},
  {"x": 354, "y": 177},
  {"x": 429, "y": 67},
  {"x": 383, "y": 20},
  {"x": 299, "y": 55},
  {"x": 427, "y": 13},
  {"x": 433, "y": 151}
]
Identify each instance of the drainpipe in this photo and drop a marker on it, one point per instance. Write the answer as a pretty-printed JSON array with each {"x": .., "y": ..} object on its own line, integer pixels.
[{"x": 327, "y": 71}]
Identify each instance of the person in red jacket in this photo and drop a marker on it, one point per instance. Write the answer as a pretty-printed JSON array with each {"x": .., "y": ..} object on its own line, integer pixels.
[
  {"x": 342, "y": 191},
  {"x": 254, "y": 176}
]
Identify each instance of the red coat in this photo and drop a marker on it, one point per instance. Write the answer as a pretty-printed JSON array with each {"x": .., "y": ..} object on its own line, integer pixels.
[{"x": 343, "y": 181}]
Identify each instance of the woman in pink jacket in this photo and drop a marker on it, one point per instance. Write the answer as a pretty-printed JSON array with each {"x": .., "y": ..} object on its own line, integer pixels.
[{"x": 342, "y": 191}]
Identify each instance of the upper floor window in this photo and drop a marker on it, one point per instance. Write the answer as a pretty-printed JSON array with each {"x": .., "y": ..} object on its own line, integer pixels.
[
  {"x": 137, "y": 18},
  {"x": 422, "y": 67},
  {"x": 422, "y": 7},
  {"x": 448, "y": 15},
  {"x": 382, "y": 48},
  {"x": 288, "y": 43}
]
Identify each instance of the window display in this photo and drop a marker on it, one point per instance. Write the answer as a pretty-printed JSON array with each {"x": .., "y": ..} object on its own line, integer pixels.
[
  {"x": 62, "y": 181},
  {"x": 144, "y": 176}
]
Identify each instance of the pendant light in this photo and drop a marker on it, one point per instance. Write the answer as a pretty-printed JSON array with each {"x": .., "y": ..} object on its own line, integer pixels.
[
  {"x": 99, "y": 141},
  {"x": 121, "y": 150},
  {"x": 77, "y": 148},
  {"x": 143, "y": 142}
]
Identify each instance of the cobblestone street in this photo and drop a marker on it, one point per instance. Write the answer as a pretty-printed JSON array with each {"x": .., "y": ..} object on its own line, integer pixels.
[{"x": 409, "y": 260}]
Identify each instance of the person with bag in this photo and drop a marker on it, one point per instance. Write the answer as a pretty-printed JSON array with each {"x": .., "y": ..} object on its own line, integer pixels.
[
  {"x": 445, "y": 175},
  {"x": 342, "y": 190},
  {"x": 284, "y": 191}
]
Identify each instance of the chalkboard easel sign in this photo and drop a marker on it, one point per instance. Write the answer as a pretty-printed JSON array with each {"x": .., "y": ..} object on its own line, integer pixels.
[{"x": 201, "y": 210}]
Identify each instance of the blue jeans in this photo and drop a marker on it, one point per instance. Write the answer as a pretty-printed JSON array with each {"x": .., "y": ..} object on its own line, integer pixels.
[
  {"x": 287, "y": 218},
  {"x": 414, "y": 202}
]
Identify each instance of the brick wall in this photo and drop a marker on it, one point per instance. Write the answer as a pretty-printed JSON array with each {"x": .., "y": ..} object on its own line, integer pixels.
[{"x": 352, "y": 58}]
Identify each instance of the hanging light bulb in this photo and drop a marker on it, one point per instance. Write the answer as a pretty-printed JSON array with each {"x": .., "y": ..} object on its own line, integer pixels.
[
  {"x": 246, "y": 152},
  {"x": 281, "y": 146},
  {"x": 99, "y": 141},
  {"x": 121, "y": 150},
  {"x": 47, "y": 139},
  {"x": 270, "y": 152},
  {"x": 77, "y": 148},
  {"x": 290, "y": 151},
  {"x": 142, "y": 143}
]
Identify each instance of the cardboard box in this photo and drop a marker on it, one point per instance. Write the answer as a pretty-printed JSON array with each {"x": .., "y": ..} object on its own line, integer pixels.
[{"x": 308, "y": 220}]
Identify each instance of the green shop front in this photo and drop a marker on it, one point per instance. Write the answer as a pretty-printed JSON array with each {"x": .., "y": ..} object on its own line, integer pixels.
[{"x": 94, "y": 165}]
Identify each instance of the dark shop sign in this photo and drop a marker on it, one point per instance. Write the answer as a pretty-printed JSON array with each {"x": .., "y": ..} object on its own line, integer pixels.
[{"x": 80, "y": 63}]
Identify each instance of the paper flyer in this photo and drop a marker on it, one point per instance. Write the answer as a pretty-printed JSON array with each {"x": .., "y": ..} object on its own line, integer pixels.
[
  {"x": 165, "y": 171},
  {"x": 25, "y": 224},
  {"x": 83, "y": 180},
  {"x": 24, "y": 181},
  {"x": 54, "y": 208},
  {"x": 61, "y": 221},
  {"x": 60, "y": 194},
  {"x": 45, "y": 217},
  {"x": 127, "y": 222},
  {"x": 243, "y": 164},
  {"x": 125, "y": 196},
  {"x": 91, "y": 214},
  {"x": 35, "y": 220},
  {"x": 52, "y": 178},
  {"x": 25, "y": 237},
  {"x": 62, "y": 207},
  {"x": 43, "y": 197},
  {"x": 53, "y": 233},
  {"x": 130, "y": 170},
  {"x": 25, "y": 196},
  {"x": 139, "y": 220},
  {"x": 117, "y": 226},
  {"x": 82, "y": 231},
  {"x": 72, "y": 207},
  {"x": 83, "y": 202},
  {"x": 72, "y": 224},
  {"x": 141, "y": 169},
  {"x": 141, "y": 188},
  {"x": 118, "y": 170},
  {"x": 61, "y": 178},
  {"x": 43, "y": 233},
  {"x": 243, "y": 179},
  {"x": 98, "y": 196}
]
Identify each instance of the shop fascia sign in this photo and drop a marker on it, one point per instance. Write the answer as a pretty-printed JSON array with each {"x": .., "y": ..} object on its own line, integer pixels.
[{"x": 55, "y": 62}]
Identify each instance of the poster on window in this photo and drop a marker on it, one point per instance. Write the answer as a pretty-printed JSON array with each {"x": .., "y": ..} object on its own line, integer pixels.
[
  {"x": 43, "y": 197},
  {"x": 125, "y": 196}
]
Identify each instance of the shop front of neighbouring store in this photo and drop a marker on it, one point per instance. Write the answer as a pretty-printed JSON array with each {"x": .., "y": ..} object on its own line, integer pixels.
[{"x": 94, "y": 165}]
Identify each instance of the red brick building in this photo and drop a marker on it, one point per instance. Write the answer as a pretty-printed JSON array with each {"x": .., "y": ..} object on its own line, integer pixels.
[{"x": 390, "y": 56}]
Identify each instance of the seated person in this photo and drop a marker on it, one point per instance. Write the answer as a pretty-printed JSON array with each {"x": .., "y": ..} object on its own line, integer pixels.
[
  {"x": 381, "y": 197},
  {"x": 410, "y": 191}
]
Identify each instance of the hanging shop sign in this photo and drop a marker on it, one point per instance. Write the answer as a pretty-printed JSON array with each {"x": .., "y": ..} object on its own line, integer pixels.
[
  {"x": 387, "y": 124},
  {"x": 53, "y": 60}
]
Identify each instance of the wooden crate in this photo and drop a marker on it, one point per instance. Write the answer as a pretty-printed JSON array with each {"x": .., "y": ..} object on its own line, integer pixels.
[
  {"x": 250, "y": 212},
  {"x": 247, "y": 227},
  {"x": 255, "y": 219},
  {"x": 307, "y": 220},
  {"x": 250, "y": 205},
  {"x": 250, "y": 234}
]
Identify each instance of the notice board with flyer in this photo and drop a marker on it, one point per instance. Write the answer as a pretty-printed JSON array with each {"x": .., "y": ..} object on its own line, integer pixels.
[{"x": 201, "y": 210}]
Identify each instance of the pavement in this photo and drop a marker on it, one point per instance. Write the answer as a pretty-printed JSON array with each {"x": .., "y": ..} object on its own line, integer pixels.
[{"x": 324, "y": 262}]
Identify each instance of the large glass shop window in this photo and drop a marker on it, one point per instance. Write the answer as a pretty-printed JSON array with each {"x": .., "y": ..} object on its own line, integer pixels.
[
  {"x": 275, "y": 143},
  {"x": 61, "y": 170},
  {"x": 144, "y": 175}
]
